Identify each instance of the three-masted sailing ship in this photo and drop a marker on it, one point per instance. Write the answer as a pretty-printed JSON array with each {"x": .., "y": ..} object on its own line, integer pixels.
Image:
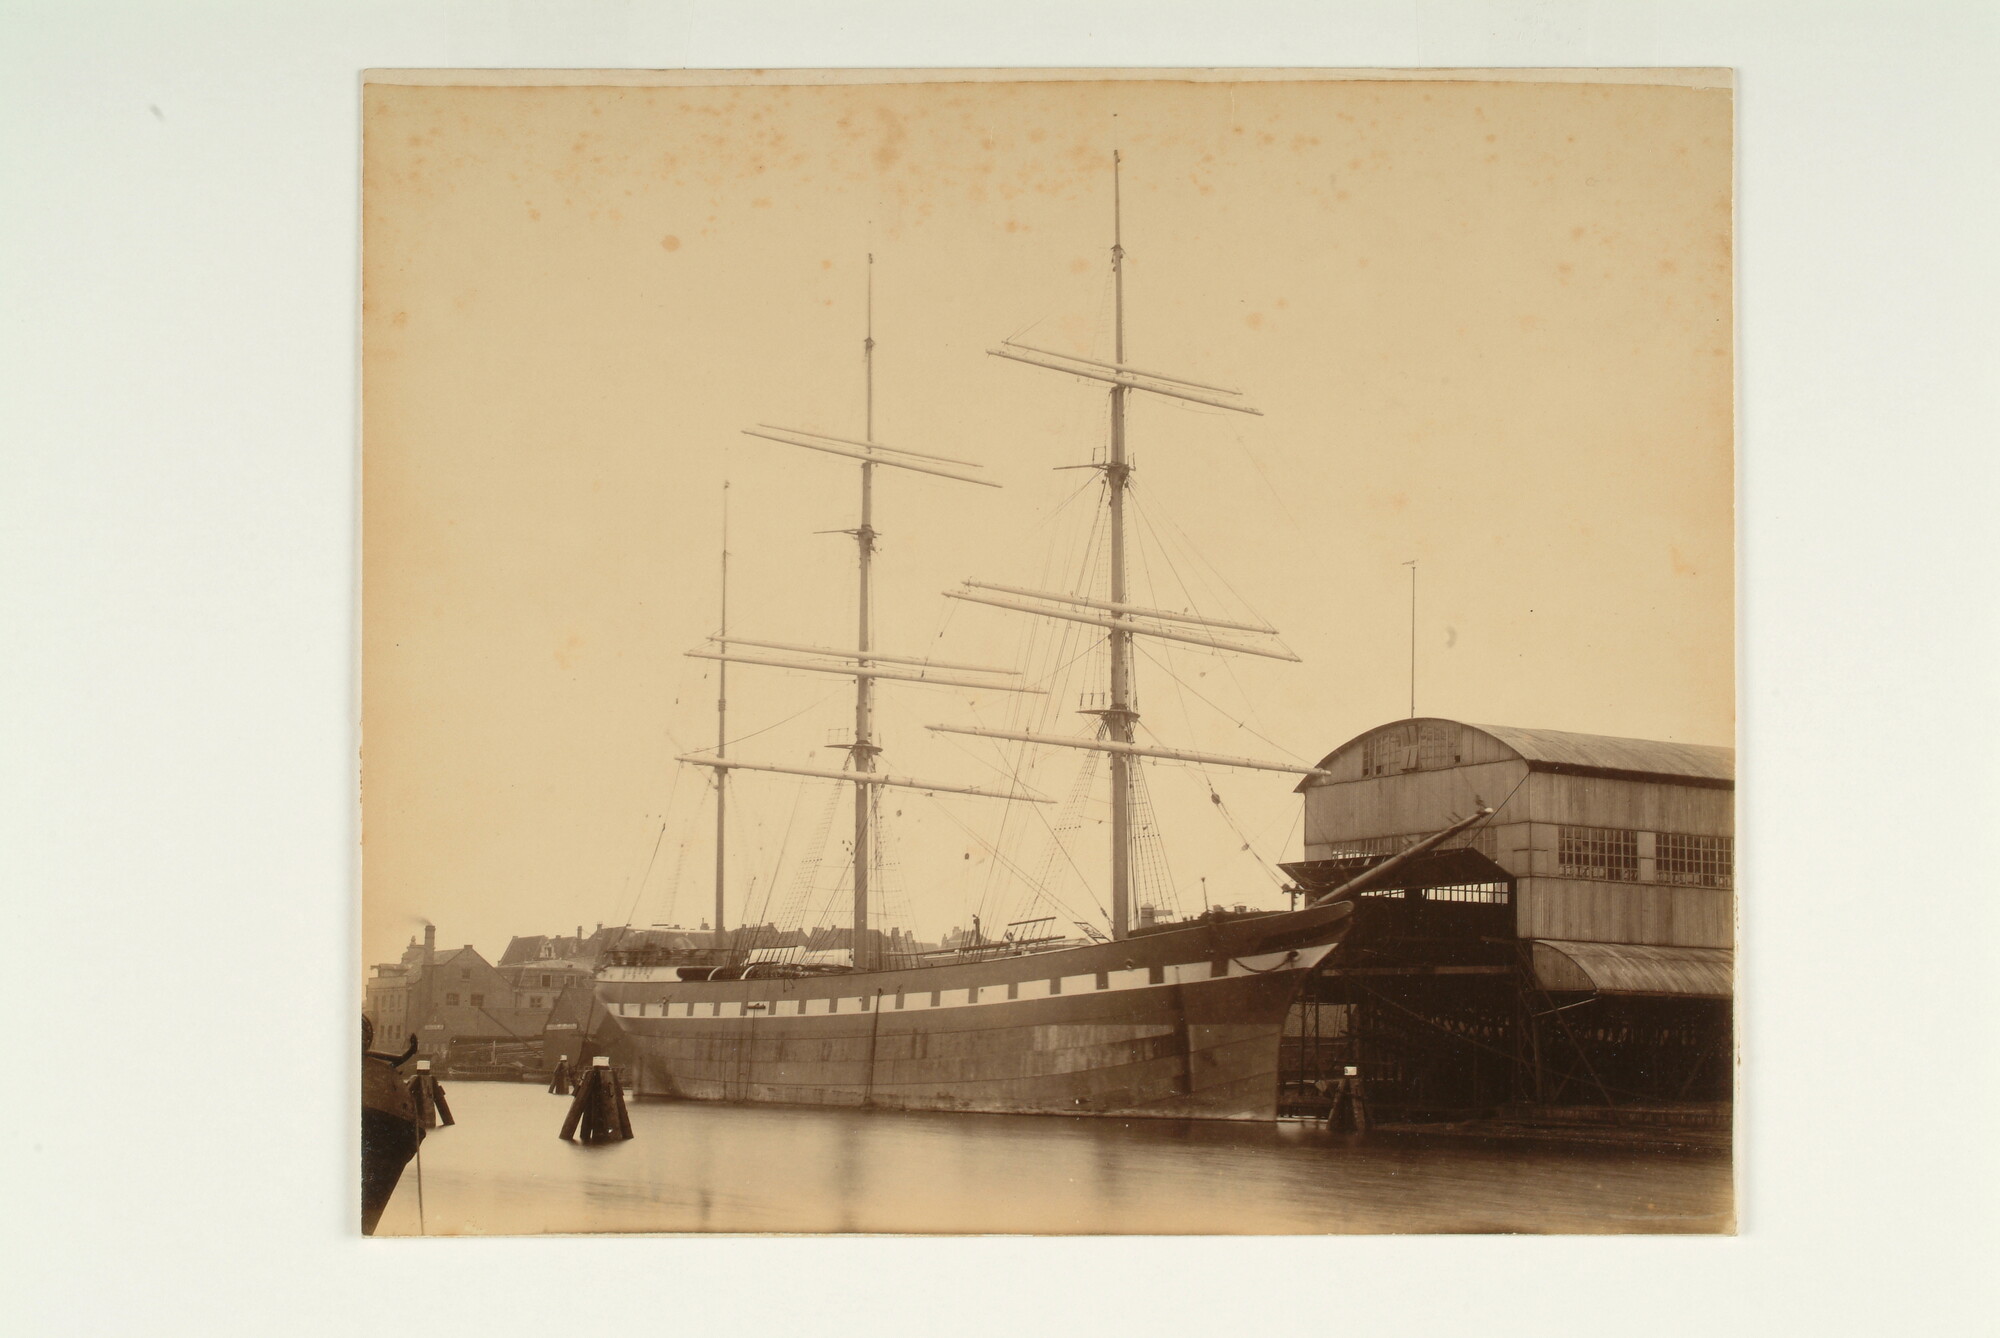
[{"x": 1168, "y": 1019}]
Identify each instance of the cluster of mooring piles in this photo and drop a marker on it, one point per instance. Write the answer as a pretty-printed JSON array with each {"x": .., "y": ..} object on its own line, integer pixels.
[
  {"x": 597, "y": 1112},
  {"x": 427, "y": 1094},
  {"x": 563, "y": 1078}
]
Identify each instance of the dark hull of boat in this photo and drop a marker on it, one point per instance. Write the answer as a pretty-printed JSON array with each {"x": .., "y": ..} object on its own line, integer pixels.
[{"x": 1182, "y": 1023}]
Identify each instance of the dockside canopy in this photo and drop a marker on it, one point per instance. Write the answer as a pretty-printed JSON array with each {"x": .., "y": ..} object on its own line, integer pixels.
[{"x": 1634, "y": 968}]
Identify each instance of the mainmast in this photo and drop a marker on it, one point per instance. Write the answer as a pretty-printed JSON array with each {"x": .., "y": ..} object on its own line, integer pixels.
[
  {"x": 862, "y": 752},
  {"x": 722, "y": 722},
  {"x": 1120, "y": 715},
  {"x": 1118, "y": 615}
]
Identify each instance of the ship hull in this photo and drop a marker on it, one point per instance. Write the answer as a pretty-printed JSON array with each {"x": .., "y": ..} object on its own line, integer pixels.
[{"x": 1182, "y": 1023}]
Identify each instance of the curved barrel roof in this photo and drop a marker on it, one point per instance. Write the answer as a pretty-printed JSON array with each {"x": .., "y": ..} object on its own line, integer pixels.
[
  {"x": 1594, "y": 754},
  {"x": 1556, "y": 748}
]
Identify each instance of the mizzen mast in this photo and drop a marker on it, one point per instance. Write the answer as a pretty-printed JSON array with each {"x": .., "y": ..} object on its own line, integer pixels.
[{"x": 722, "y": 723}]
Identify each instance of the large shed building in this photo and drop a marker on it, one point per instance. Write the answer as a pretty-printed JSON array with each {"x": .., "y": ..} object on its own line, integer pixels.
[{"x": 1574, "y": 949}]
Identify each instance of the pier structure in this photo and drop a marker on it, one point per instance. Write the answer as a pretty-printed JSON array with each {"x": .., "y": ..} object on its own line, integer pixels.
[{"x": 1567, "y": 965}]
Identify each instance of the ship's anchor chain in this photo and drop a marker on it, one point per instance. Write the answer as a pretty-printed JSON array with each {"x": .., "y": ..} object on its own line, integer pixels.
[{"x": 1290, "y": 957}]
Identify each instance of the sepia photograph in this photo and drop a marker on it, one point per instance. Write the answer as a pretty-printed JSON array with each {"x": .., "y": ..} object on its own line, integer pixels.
[
  {"x": 1013, "y": 669},
  {"x": 1048, "y": 652}
]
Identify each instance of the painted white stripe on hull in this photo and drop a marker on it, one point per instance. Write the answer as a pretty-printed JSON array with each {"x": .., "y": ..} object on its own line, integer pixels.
[{"x": 1177, "y": 973}]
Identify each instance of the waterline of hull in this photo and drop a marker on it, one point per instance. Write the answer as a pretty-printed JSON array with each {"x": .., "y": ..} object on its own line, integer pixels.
[{"x": 1182, "y": 1025}]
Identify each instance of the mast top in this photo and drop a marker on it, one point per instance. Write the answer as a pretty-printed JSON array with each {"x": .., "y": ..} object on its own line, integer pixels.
[{"x": 1117, "y": 209}]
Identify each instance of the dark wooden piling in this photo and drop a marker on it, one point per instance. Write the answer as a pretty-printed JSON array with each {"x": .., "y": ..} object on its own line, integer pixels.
[
  {"x": 563, "y": 1079},
  {"x": 597, "y": 1114},
  {"x": 428, "y": 1094}
]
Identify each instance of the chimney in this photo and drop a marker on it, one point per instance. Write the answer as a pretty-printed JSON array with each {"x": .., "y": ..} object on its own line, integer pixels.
[{"x": 430, "y": 944}]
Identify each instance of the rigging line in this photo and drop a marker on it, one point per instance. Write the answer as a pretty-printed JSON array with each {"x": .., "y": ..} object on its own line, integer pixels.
[
  {"x": 1068, "y": 821},
  {"x": 742, "y": 738},
  {"x": 1487, "y": 821},
  {"x": 784, "y": 850},
  {"x": 798, "y": 897},
  {"x": 1298, "y": 816},
  {"x": 680, "y": 862},
  {"x": 1046, "y": 712},
  {"x": 673, "y": 789},
  {"x": 998, "y": 857},
  {"x": 1215, "y": 797},
  {"x": 649, "y": 870},
  {"x": 1068, "y": 856},
  {"x": 1013, "y": 776},
  {"x": 1013, "y": 772},
  {"x": 1197, "y": 554},
  {"x": 1152, "y": 531},
  {"x": 1167, "y": 669},
  {"x": 1257, "y": 465},
  {"x": 1228, "y": 665},
  {"x": 1095, "y": 640}
]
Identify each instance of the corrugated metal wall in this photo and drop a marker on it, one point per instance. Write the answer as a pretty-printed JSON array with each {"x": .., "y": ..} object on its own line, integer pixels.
[
  {"x": 1416, "y": 801},
  {"x": 1644, "y": 806},
  {"x": 1534, "y": 808},
  {"x": 1687, "y": 917}
]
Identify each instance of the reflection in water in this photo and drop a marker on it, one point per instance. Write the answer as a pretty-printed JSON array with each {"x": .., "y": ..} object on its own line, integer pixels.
[{"x": 501, "y": 1170}]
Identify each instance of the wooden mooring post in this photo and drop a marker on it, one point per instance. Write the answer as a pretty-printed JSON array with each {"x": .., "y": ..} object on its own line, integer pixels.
[
  {"x": 598, "y": 1115},
  {"x": 1349, "y": 1111},
  {"x": 428, "y": 1094},
  {"x": 563, "y": 1079}
]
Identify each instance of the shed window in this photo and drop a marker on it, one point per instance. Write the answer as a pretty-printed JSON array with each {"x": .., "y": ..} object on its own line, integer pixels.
[
  {"x": 1390, "y": 751},
  {"x": 1437, "y": 745},
  {"x": 451, "y": 999},
  {"x": 1598, "y": 852},
  {"x": 1695, "y": 861},
  {"x": 479, "y": 1001},
  {"x": 1414, "y": 746}
]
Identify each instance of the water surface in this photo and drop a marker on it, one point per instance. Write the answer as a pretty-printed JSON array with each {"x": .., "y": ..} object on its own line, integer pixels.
[{"x": 697, "y": 1166}]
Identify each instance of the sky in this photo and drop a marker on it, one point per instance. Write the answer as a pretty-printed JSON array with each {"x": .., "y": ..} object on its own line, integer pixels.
[{"x": 1488, "y": 325}]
